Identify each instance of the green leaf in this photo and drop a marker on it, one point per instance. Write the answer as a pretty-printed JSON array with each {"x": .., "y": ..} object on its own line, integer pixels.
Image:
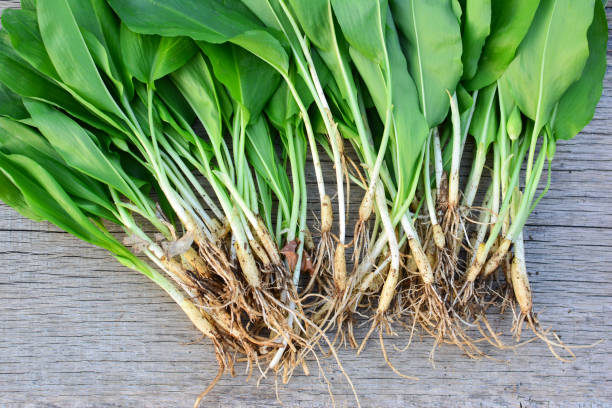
[
  {"x": 213, "y": 21},
  {"x": 97, "y": 18},
  {"x": 28, "y": 4},
  {"x": 485, "y": 120},
  {"x": 22, "y": 27},
  {"x": 266, "y": 47},
  {"x": 551, "y": 57},
  {"x": 263, "y": 11},
  {"x": 505, "y": 96},
  {"x": 457, "y": 9},
  {"x": 249, "y": 80},
  {"x": 410, "y": 126},
  {"x": 261, "y": 155},
  {"x": 151, "y": 57},
  {"x": 103, "y": 61},
  {"x": 76, "y": 147},
  {"x": 203, "y": 20},
  {"x": 282, "y": 105},
  {"x": 16, "y": 138},
  {"x": 11, "y": 104},
  {"x": 510, "y": 21},
  {"x": 70, "y": 56},
  {"x": 374, "y": 78},
  {"x": 48, "y": 201},
  {"x": 433, "y": 49},
  {"x": 23, "y": 80},
  {"x": 196, "y": 83},
  {"x": 362, "y": 23},
  {"x": 475, "y": 29},
  {"x": 316, "y": 19},
  {"x": 11, "y": 196},
  {"x": 577, "y": 106},
  {"x": 464, "y": 99},
  {"x": 173, "y": 98}
]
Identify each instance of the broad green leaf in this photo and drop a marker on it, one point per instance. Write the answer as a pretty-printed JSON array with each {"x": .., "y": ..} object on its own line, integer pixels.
[
  {"x": 316, "y": 19},
  {"x": 97, "y": 18},
  {"x": 464, "y": 99},
  {"x": 577, "y": 106},
  {"x": 76, "y": 147},
  {"x": 213, "y": 21},
  {"x": 196, "y": 83},
  {"x": 510, "y": 21},
  {"x": 505, "y": 94},
  {"x": 16, "y": 138},
  {"x": 11, "y": 196},
  {"x": 172, "y": 97},
  {"x": 282, "y": 105},
  {"x": 363, "y": 25},
  {"x": 203, "y": 20},
  {"x": 70, "y": 56},
  {"x": 249, "y": 80},
  {"x": 263, "y": 11},
  {"x": 374, "y": 78},
  {"x": 410, "y": 126},
  {"x": 11, "y": 104},
  {"x": 22, "y": 27},
  {"x": 20, "y": 139},
  {"x": 551, "y": 57},
  {"x": 457, "y": 9},
  {"x": 433, "y": 49},
  {"x": 23, "y": 80},
  {"x": 151, "y": 57},
  {"x": 266, "y": 47},
  {"x": 474, "y": 32},
  {"x": 46, "y": 198},
  {"x": 485, "y": 120},
  {"x": 103, "y": 61}
]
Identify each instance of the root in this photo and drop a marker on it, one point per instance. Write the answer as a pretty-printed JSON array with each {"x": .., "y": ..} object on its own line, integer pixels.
[
  {"x": 322, "y": 263},
  {"x": 549, "y": 337},
  {"x": 440, "y": 322},
  {"x": 450, "y": 226},
  {"x": 360, "y": 241},
  {"x": 214, "y": 382},
  {"x": 386, "y": 357}
]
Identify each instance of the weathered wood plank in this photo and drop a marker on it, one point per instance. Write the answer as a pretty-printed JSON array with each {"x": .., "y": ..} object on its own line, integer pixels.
[{"x": 79, "y": 330}]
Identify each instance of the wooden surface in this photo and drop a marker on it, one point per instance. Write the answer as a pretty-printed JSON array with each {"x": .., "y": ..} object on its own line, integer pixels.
[{"x": 79, "y": 330}]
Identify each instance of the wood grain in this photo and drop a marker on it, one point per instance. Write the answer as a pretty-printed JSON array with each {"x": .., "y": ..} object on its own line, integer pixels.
[{"x": 79, "y": 330}]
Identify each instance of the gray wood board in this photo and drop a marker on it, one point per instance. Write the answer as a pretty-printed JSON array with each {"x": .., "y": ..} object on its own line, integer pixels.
[{"x": 79, "y": 330}]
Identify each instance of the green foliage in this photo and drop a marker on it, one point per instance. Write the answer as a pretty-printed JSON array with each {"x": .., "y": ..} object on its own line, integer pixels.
[{"x": 551, "y": 57}]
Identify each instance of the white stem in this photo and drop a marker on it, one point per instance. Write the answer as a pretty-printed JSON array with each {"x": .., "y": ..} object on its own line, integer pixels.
[
  {"x": 469, "y": 121},
  {"x": 310, "y": 136},
  {"x": 475, "y": 174},
  {"x": 438, "y": 159},
  {"x": 453, "y": 182},
  {"x": 332, "y": 129},
  {"x": 388, "y": 226}
]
